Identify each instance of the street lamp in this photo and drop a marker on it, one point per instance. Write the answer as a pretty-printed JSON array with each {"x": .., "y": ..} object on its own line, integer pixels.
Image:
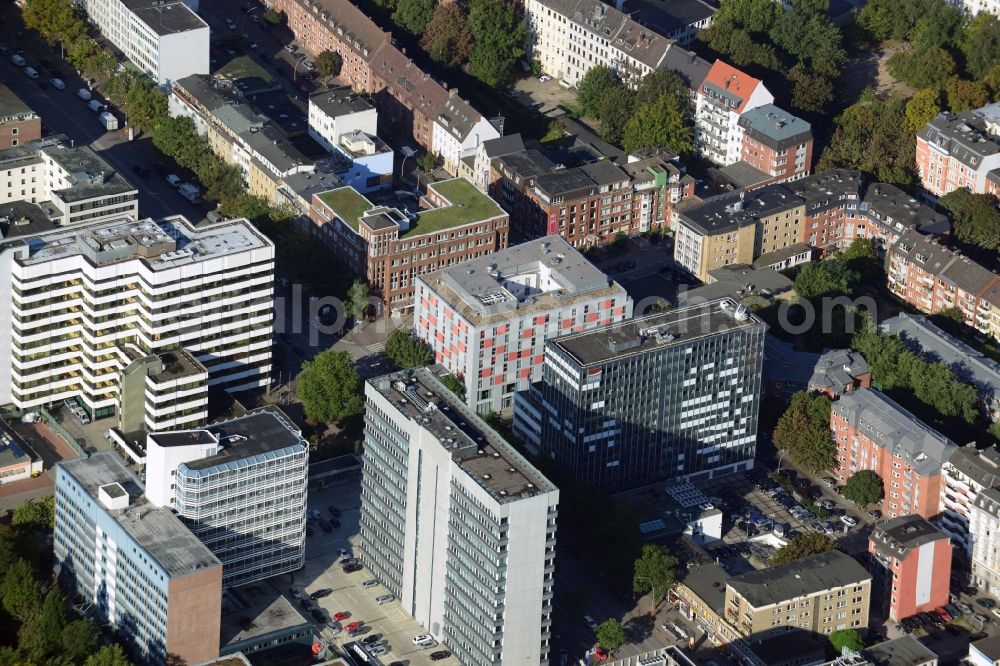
[
  {"x": 407, "y": 154},
  {"x": 295, "y": 70}
]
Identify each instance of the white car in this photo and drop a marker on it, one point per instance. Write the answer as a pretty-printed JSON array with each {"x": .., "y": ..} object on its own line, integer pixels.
[
  {"x": 850, "y": 521},
  {"x": 423, "y": 639},
  {"x": 826, "y": 528},
  {"x": 544, "y": 78},
  {"x": 384, "y": 599},
  {"x": 371, "y": 582}
]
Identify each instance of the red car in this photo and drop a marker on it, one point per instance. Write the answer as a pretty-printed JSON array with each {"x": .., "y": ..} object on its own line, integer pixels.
[
  {"x": 353, "y": 626},
  {"x": 945, "y": 616},
  {"x": 341, "y": 616}
]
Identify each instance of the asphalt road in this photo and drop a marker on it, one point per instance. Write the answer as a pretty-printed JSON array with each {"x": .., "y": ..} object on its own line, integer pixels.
[{"x": 63, "y": 112}]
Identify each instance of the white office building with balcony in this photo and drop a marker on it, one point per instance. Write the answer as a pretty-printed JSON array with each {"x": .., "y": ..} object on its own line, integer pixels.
[
  {"x": 457, "y": 524},
  {"x": 78, "y": 305},
  {"x": 240, "y": 486}
]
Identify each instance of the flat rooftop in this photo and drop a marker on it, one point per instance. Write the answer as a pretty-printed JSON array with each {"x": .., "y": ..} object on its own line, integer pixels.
[
  {"x": 658, "y": 331},
  {"x": 13, "y": 450},
  {"x": 539, "y": 274},
  {"x": 339, "y": 102},
  {"x": 476, "y": 448},
  {"x": 179, "y": 364},
  {"x": 163, "y": 244},
  {"x": 89, "y": 174},
  {"x": 246, "y": 436},
  {"x": 248, "y": 614},
  {"x": 466, "y": 205},
  {"x": 166, "y": 18},
  {"x": 774, "y": 126},
  {"x": 665, "y": 17},
  {"x": 156, "y": 530},
  {"x": 903, "y": 651}
]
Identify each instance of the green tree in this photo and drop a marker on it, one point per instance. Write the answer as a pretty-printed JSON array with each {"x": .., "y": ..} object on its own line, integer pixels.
[
  {"x": 863, "y": 488},
  {"x": 599, "y": 82},
  {"x": 975, "y": 218},
  {"x": 108, "y": 655},
  {"x": 611, "y": 634},
  {"x": 846, "y": 638},
  {"x": 871, "y": 136},
  {"x": 222, "y": 181},
  {"x": 498, "y": 38},
  {"x": 655, "y": 571},
  {"x": 428, "y": 161},
  {"x": 454, "y": 384},
  {"x": 413, "y": 15},
  {"x": 808, "y": 35},
  {"x": 254, "y": 208},
  {"x": 804, "y": 432},
  {"x": 329, "y": 63},
  {"x": 20, "y": 592},
  {"x": 811, "y": 92},
  {"x": 274, "y": 18},
  {"x": 825, "y": 278},
  {"x": 146, "y": 106},
  {"x": 664, "y": 83},
  {"x": 922, "y": 108},
  {"x": 407, "y": 351},
  {"x": 992, "y": 81},
  {"x": 55, "y": 20},
  {"x": 329, "y": 387},
  {"x": 752, "y": 15},
  {"x": 357, "y": 299},
  {"x": 964, "y": 95},
  {"x": 177, "y": 137},
  {"x": 79, "y": 639},
  {"x": 447, "y": 39},
  {"x": 661, "y": 124},
  {"x": 614, "y": 113},
  {"x": 923, "y": 67},
  {"x": 45, "y": 632},
  {"x": 803, "y": 545},
  {"x": 981, "y": 44},
  {"x": 37, "y": 514}
]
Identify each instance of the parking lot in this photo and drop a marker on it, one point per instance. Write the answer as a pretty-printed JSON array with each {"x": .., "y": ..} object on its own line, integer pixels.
[{"x": 347, "y": 591}]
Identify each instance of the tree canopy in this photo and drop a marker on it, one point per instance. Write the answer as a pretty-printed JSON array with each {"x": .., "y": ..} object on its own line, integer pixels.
[
  {"x": 599, "y": 82},
  {"x": 329, "y": 387},
  {"x": 611, "y": 634},
  {"x": 498, "y": 38},
  {"x": 975, "y": 218},
  {"x": 447, "y": 38},
  {"x": 655, "y": 571},
  {"x": 413, "y": 15},
  {"x": 871, "y": 136},
  {"x": 37, "y": 514},
  {"x": 804, "y": 432},
  {"x": 357, "y": 298},
  {"x": 922, "y": 108},
  {"x": 863, "y": 488},
  {"x": 407, "y": 351},
  {"x": 660, "y": 124},
  {"x": 803, "y": 545},
  {"x": 329, "y": 63},
  {"x": 825, "y": 278}
]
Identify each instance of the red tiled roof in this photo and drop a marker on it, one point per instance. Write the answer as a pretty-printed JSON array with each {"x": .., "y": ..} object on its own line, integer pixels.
[{"x": 733, "y": 81}]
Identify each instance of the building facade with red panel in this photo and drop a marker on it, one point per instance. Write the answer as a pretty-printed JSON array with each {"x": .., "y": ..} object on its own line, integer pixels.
[
  {"x": 487, "y": 319},
  {"x": 911, "y": 566},
  {"x": 18, "y": 123},
  {"x": 871, "y": 432}
]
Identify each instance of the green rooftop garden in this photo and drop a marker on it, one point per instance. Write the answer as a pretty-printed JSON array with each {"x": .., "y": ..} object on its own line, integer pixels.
[
  {"x": 347, "y": 204},
  {"x": 246, "y": 73},
  {"x": 467, "y": 205}
]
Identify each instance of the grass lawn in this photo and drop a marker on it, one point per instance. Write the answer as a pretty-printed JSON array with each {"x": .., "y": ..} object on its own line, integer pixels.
[
  {"x": 467, "y": 205},
  {"x": 347, "y": 203}
]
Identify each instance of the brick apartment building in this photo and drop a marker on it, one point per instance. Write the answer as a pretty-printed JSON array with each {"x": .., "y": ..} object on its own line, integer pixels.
[
  {"x": 911, "y": 566},
  {"x": 776, "y": 143},
  {"x": 828, "y": 195},
  {"x": 957, "y": 150},
  {"x": 588, "y": 204},
  {"x": 487, "y": 319},
  {"x": 932, "y": 278},
  {"x": 18, "y": 123},
  {"x": 410, "y": 102},
  {"x": 872, "y": 432},
  {"x": 390, "y": 248}
]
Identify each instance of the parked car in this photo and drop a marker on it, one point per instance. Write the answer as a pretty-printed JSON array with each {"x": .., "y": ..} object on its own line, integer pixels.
[
  {"x": 175, "y": 181},
  {"x": 319, "y": 594},
  {"x": 351, "y": 567},
  {"x": 370, "y": 583},
  {"x": 850, "y": 521},
  {"x": 335, "y": 627},
  {"x": 544, "y": 78},
  {"x": 944, "y": 614},
  {"x": 58, "y": 84},
  {"x": 372, "y": 640},
  {"x": 996, "y": 612},
  {"x": 953, "y": 610},
  {"x": 874, "y": 514},
  {"x": 334, "y": 511},
  {"x": 986, "y": 603},
  {"x": 965, "y": 608},
  {"x": 589, "y": 621},
  {"x": 422, "y": 638},
  {"x": 341, "y": 616},
  {"x": 353, "y": 626},
  {"x": 378, "y": 650},
  {"x": 325, "y": 526},
  {"x": 384, "y": 599},
  {"x": 343, "y": 552},
  {"x": 439, "y": 655}
]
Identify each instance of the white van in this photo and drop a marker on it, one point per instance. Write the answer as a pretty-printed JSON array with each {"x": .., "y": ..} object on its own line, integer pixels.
[
  {"x": 17, "y": 59},
  {"x": 31, "y": 72}
]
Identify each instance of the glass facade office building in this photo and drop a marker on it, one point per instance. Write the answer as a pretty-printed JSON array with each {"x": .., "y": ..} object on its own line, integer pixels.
[{"x": 660, "y": 397}]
